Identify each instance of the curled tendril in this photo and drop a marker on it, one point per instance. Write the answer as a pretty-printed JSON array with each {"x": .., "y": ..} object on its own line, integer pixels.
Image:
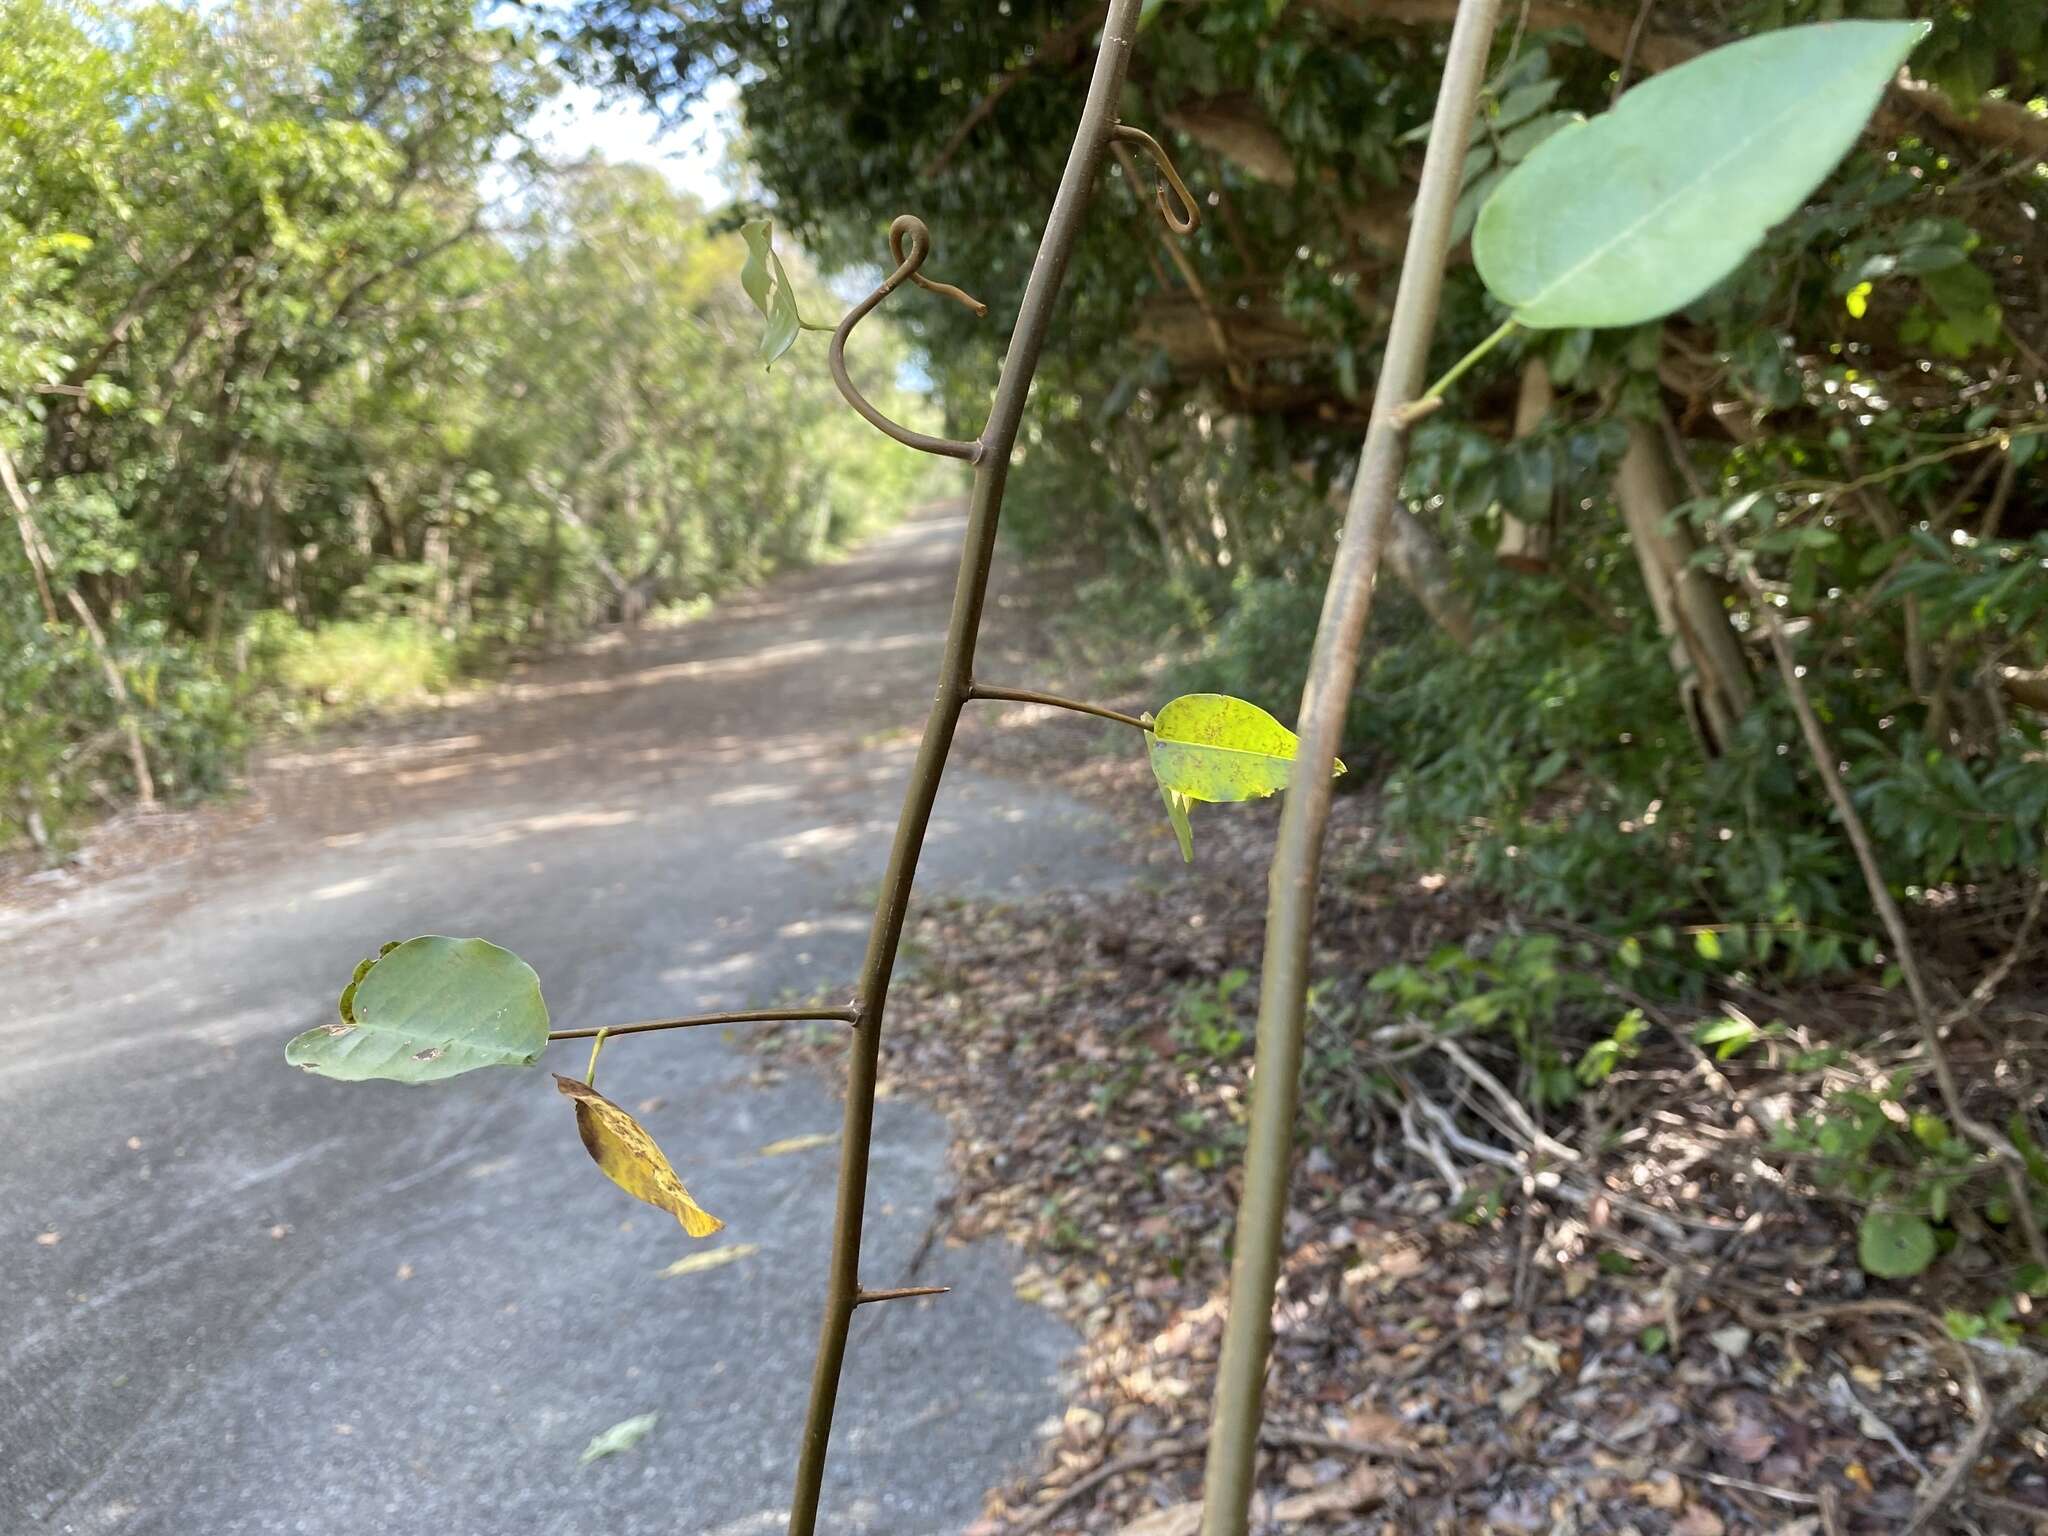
[
  {"x": 908, "y": 227},
  {"x": 1189, "y": 218},
  {"x": 910, "y": 242}
]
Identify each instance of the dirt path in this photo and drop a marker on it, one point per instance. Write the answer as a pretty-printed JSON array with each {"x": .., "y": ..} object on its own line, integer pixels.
[{"x": 244, "y": 1300}]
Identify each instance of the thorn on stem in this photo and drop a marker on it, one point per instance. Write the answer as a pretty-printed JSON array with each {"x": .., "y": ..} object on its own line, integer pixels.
[{"x": 900, "y": 1293}]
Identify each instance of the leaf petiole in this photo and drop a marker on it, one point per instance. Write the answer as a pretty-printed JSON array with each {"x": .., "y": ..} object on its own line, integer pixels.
[
  {"x": 1424, "y": 404},
  {"x": 596, "y": 1045}
]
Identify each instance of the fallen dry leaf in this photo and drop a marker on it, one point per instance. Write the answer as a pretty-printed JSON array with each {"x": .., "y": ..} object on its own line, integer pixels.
[
  {"x": 622, "y": 1436},
  {"x": 620, "y": 1146},
  {"x": 717, "y": 1258},
  {"x": 1740, "y": 1426},
  {"x": 1362, "y": 1486},
  {"x": 799, "y": 1143},
  {"x": 1176, "y": 1520},
  {"x": 1661, "y": 1490}
]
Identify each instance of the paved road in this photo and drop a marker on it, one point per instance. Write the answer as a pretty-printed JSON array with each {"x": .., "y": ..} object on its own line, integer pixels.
[{"x": 279, "y": 1304}]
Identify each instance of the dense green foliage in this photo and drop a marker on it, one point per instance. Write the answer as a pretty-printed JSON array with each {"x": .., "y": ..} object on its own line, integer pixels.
[
  {"x": 320, "y": 385},
  {"x": 1576, "y": 703},
  {"x": 1876, "y": 371}
]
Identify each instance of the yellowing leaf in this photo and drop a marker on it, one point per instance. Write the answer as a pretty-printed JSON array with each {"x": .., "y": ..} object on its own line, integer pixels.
[
  {"x": 716, "y": 1258},
  {"x": 620, "y": 1146},
  {"x": 790, "y": 1144},
  {"x": 1211, "y": 747},
  {"x": 1177, "y": 813}
]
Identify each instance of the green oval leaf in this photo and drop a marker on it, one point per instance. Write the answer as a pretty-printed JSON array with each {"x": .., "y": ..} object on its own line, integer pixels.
[
  {"x": 1641, "y": 210},
  {"x": 430, "y": 1008},
  {"x": 1894, "y": 1245}
]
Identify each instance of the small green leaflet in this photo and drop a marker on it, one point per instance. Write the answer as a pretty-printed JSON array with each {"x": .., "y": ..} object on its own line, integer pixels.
[
  {"x": 768, "y": 285},
  {"x": 1216, "y": 749},
  {"x": 427, "y": 1009},
  {"x": 622, "y": 1436},
  {"x": 1639, "y": 211},
  {"x": 1894, "y": 1245}
]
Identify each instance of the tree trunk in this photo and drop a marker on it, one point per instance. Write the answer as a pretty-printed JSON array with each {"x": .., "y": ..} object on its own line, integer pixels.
[
  {"x": 41, "y": 560},
  {"x": 1713, "y": 682},
  {"x": 1413, "y": 554},
  {"x": 1526, "y": 546}
]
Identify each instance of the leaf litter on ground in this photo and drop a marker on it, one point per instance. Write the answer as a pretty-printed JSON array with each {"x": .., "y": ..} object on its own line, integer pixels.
[{"x": 1532, "y": 1368}]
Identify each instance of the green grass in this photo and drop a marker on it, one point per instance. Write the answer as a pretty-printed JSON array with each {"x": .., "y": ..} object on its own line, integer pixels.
[{"x": 355, "y": 664}]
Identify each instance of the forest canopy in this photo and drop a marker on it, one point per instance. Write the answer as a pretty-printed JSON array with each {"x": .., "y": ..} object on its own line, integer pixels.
[
  {"x": 318, "y": 383},
  {"x": 1577, "y": 704}
]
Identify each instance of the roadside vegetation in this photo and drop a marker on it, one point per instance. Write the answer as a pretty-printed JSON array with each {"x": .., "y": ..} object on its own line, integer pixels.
[
  {"x": 1659, "y": 589},
  {"x": 320, "y": 387},
  {"x": 1569, "y": 704}
]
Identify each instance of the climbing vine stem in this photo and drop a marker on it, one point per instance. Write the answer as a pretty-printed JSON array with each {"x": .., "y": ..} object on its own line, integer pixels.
[{"x": 990, "y": 455}]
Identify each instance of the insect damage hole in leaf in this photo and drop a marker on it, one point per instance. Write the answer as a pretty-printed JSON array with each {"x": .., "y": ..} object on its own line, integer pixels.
[
  {"x": 628, "y": 1156},
  {"x": 1216, "y": 749},
  {"x": 429, "y": 1008},
  {"x": 1639, "y": 211}
]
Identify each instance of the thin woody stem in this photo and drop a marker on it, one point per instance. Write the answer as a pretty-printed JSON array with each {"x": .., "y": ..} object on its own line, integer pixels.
[
  {"x": 1298, "y": 846},
  {"x": 991, "y": 460},
  {"x": 1027, "y": 696},
  {"x": 700, "y": 1020}
]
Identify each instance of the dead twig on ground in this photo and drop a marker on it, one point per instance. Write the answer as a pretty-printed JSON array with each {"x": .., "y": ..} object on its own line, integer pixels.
[{"x": 1273, "y": 1436}]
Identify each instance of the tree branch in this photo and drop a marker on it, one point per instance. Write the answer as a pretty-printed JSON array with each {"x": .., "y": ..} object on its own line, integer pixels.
[{"x": 1059, "y": 47}]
